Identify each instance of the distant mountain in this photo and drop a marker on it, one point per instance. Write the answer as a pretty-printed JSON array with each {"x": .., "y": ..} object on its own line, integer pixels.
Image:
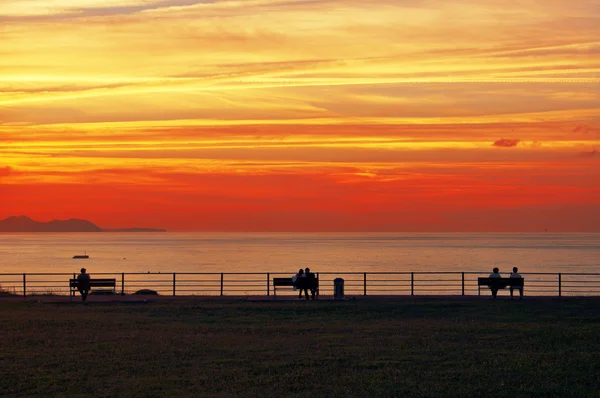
[{"x": 26, "y": 224}]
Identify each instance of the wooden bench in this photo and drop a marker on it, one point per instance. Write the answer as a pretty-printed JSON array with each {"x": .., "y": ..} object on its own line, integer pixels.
[
  {"x": 283, "y": 282},
  {"x": 500, "y": 283},
  {"x": 74, "y": 283}
]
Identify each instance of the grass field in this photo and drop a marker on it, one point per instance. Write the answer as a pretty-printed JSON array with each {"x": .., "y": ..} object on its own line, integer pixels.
[{"x": 374, "y": 347}]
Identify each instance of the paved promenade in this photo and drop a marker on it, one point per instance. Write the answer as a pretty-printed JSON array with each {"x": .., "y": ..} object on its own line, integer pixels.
[{"x": 58, "y": 299}]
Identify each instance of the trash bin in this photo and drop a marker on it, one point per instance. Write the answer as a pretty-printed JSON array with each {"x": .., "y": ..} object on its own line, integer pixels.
[{"x": 338, "y": 288}]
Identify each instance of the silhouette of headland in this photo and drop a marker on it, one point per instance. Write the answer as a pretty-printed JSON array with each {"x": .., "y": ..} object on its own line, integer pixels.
[{"x": 26, "y": 224}]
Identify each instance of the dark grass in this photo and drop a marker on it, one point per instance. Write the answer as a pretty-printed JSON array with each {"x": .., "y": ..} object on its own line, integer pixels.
[{"x": 377, "y": 347}]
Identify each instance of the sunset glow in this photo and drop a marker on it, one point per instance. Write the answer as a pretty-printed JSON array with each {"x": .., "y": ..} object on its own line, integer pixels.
[{"x": 281, "y": 115}]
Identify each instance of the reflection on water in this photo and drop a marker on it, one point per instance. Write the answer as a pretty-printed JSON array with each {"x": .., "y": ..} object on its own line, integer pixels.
[{"x": 286, "y": 252}]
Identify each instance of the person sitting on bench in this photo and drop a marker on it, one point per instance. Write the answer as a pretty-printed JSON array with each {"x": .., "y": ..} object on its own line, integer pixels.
[
  {"x": 83, "y": 284},
  {"x": 495, "y": 274},
  {"x": 515, "y": 274},
  {"x": 311, "y": 280},
  {"x": 301, "y": 283}
]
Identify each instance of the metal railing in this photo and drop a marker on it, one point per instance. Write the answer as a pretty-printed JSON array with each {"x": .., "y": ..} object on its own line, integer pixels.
[{"x": 261, "y": 283}]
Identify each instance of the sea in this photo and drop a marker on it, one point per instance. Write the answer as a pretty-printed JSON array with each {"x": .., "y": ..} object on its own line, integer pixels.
[{"x": 287, "y": 252}]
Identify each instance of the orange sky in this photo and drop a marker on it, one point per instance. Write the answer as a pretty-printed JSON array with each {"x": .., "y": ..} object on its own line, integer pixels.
[{"x": 324, "y": 115}]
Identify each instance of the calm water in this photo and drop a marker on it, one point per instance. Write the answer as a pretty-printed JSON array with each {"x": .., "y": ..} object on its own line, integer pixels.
[{"x": 286, "y": 252}]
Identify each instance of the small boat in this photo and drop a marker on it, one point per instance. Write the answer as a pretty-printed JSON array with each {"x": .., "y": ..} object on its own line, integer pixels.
[{"x": 79, "y": 256}]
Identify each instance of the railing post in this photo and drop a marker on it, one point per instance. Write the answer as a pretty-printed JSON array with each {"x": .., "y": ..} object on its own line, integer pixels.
[
  {"x": 24, "y": 285},
  {"x": 122, "y": 283},
  {"x": 174, "y": 283},
  {"x": 463, "y": 283},
  {"x": 365, "y": 284},
  {"x": 559, "y": 284},
  {"x": 412, "y": 283},
  {"x": 268, "y": 284},
  {"x": 221, "y": 283}
]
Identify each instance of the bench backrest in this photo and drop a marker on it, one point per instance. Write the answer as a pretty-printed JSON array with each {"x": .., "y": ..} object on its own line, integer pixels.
[
  {"x": 500, "y": 282},
  {"x": 288, "y": 282},
  {"x": 95, "y": 283},
  {"x": 283, "y": 282}
]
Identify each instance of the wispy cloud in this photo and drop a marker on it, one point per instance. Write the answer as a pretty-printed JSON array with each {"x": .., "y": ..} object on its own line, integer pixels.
[
  {"x": 309, "y": 107},
  {"x": 48, "y": 10},
  {"x": 506, "y": 142}
]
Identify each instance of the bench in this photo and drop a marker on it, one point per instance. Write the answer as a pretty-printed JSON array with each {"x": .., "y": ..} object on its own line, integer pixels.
[
  {"x": 283, "y": 282},
  {"x": 500, "y": 283},
  {"x": 112, "y": 283}
]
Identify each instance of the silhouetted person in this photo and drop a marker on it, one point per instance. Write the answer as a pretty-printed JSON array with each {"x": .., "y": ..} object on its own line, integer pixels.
[
  {"x": 494, "y": 274},
  {"x": 515, "y": 274},
  {"x": 302, "y": 283},
  {"x": 83, "y": 284},
  {"x": 295, "y": 282},
  {"x": 311, "y": 280}
]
